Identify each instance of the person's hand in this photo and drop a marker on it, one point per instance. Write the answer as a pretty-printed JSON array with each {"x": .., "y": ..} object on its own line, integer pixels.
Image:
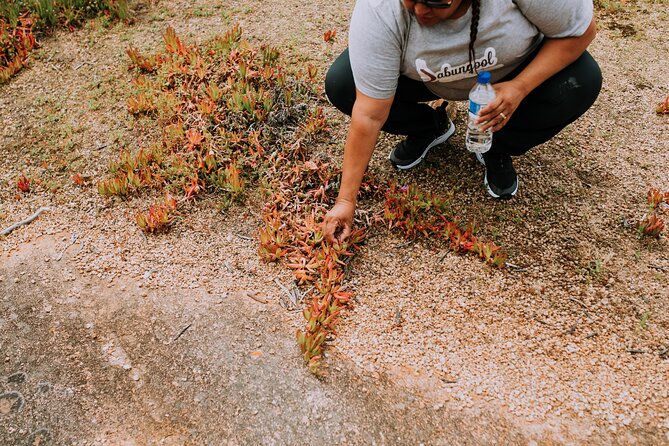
[
  {"x": 338, "y": 222},
  {"x": 496, "y": 114}
]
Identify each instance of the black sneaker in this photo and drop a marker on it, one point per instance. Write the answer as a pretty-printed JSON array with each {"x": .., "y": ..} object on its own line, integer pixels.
[
  {"x": 501, "y": 179},
  {"x": 414, "y": 148}
]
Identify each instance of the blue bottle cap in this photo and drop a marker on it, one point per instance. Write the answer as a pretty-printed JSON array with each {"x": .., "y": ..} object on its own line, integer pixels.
[{"x": 483, "y": 77}]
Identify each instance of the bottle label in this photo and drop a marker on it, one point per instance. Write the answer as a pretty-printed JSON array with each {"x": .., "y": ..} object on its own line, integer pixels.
[{"x": 474, "y": 108}]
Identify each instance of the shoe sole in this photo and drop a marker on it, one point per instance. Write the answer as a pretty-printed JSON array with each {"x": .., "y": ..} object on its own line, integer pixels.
[
  {"x": 494, "y": 195},
  {"x": 436, "y": 142},
  {"x": 479, "y": 157}
]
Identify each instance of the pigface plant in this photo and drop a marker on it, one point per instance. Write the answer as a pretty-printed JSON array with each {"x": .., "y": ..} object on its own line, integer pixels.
[
  {"x": 23, "y": 184},
  {"x": 663, "y": 107},
  {"x": 414, "y": 213},
  {"x": 650, "y": 226},
  {"x": 329, "y": 36},
  {"x": 158, "y": 217},
  {"x": 16, "y": 42},
  {"x": 235, "y": 120},
  {"x": 652, "y": 223}
]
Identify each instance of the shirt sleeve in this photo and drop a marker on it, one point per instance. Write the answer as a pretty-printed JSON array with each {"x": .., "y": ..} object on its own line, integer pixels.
[
  {"x": 375, "y": 48},
  {"x": 558, "y": 18}
]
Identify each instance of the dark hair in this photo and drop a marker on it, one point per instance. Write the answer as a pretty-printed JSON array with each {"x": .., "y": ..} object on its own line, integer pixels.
[{"x": 473, "y": 30}]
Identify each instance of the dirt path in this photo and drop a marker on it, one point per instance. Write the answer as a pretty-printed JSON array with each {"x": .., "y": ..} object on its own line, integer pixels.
[
  {"x": 134, "y": 340},
  {"x": 87, "y": 361}
]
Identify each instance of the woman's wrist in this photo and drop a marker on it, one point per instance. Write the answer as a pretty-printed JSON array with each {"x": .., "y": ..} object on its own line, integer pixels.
[
  {"x": 350, "y": 186},
  {"x": 344, "y": 198},
  {"x": 521, "y": 86}
]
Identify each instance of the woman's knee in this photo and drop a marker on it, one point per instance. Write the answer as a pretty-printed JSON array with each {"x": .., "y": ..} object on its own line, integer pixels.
[
  {"x": 564, "y": 97},
  {"x": 339, "y": 84},
  {"x": 590, "y": 76},
  {"x": 582, "y": 87},
  {"x": 579, "y": 84}
]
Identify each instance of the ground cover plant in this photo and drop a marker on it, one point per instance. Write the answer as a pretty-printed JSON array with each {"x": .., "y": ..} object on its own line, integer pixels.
[
  {"x": 15, "y": 44},
  {"x": 21, "y": 21},
  {"x": 652, "y": 223},
  {"x": 236, "y": 122},
  {"x": 663, "y": 107}
]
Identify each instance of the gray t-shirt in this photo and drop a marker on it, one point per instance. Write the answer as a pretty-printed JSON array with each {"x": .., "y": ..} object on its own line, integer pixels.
[{"x": 386, "y": 41}]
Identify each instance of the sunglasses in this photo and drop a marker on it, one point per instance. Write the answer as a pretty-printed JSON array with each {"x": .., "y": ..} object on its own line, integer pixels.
[{"x": 435, "y": 3}]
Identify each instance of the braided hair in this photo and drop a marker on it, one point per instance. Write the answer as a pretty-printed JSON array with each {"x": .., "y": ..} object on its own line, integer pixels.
[{"x": 473, "y": 30}]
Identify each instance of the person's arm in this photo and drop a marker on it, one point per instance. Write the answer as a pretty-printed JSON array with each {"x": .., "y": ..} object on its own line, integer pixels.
[
  {"x": 367, "y": 118},
  {"x": 554, "y": 55}
]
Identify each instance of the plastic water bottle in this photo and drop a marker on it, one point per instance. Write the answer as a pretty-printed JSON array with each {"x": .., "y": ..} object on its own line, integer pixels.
[{"x": 482, "y": 94}]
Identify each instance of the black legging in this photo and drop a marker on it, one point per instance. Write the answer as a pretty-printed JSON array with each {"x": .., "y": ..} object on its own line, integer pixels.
[{"x": 549, "y": 108}]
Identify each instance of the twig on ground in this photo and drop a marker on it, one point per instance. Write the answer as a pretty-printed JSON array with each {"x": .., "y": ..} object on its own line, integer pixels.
[
  {"x": 545, "y": 323},
  {"x": 520, "y": 269},
  {"x": 635, "y": 351},
  {"x": 368, "y": 221},
  {"x": 299, "y": 295},
  {"x": 573, "y": 299},
  {"x": 658, "y": 267},
  {"x": 583, "y": 305},
  {"x": 295, "y": 292},
  {"x": 291, "y": 296},
  {"x": 26, "y": 221},
  {"x": 82, "y": 64},
  {"x": 254, "y": 295},
  {"x": 285, "y": 290},
  {"x": 73, "y": 240},
  {"x": 183, "y": 330}
]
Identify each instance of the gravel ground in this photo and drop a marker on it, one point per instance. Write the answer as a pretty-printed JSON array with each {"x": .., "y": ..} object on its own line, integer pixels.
[{"x": 571, "y": 345}]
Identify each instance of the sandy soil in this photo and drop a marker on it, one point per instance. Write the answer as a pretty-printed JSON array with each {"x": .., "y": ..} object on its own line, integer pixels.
[{"x": 569, "y": 348}]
